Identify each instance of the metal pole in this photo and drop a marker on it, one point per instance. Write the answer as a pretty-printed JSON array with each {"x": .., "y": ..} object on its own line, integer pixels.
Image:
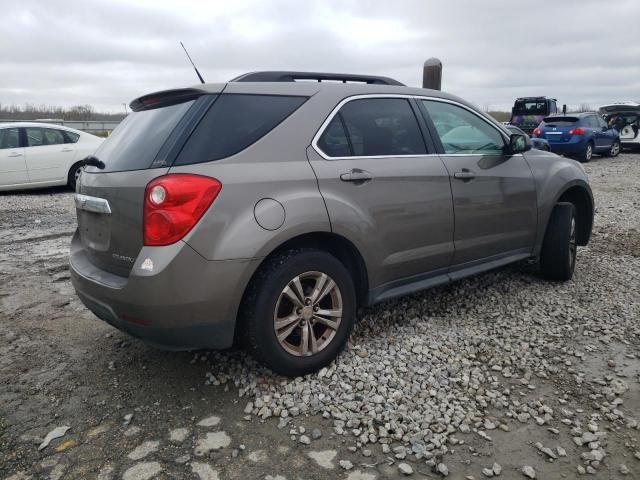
[{"x": 432, "y": 74}]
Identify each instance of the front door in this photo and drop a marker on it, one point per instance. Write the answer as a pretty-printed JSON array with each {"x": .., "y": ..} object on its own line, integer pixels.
[
  {"x": 384, "y": 190},
  {"x": 13, "y": 168},
  {"x": 494, "y": 194},
  {"x": 48, "y": 157}
]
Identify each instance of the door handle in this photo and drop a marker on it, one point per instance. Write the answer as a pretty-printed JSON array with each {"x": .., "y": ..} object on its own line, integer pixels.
[
  {"x": 465, "y": 175},
  {"x": 67, "y": 150},
  {"x": 356, "y": 176},
  {"x": 14, "y": 155}
]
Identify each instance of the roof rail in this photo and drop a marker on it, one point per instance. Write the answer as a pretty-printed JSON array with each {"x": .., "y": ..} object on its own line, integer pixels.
[{"x": 284, "y": 76}]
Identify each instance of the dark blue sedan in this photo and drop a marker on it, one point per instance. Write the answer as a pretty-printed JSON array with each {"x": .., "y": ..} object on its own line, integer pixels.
[{"x": 579, "y": 135}]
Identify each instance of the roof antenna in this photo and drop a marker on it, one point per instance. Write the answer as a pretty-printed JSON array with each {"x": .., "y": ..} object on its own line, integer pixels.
[{"x": 194, "y": 65}]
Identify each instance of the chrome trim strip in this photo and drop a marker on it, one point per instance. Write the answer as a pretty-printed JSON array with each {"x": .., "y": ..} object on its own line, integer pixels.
[
  {"x": 316, "y": 137},
  {"x": 92, "y": 204}
]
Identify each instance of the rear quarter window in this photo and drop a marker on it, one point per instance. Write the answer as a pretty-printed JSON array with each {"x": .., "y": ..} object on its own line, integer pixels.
[
  {"x": 234, "y": 122},
  {"x": 70, "y": 137}
]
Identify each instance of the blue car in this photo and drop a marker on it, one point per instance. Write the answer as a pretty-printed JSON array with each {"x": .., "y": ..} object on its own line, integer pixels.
[
  {"x": 537, "y": 143},
  {"x": 579, "y": 135}
]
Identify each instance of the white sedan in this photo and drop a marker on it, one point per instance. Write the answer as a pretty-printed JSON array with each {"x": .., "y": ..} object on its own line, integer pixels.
[{"x": 34, "y": 155}]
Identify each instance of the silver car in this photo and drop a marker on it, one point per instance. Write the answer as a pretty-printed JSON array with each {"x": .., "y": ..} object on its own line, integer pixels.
[{"x": 264, "y": 210}]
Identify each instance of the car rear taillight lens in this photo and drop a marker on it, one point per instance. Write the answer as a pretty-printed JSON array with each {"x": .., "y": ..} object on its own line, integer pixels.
[
  {"x": 536, "y": 132},
  {"x": 174, "y": 203},
  {"x": 576, "y": 131}
]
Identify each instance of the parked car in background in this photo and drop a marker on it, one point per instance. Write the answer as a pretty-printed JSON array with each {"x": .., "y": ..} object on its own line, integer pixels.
[
  {"x": 35, "y": 155},
  {"x": 624, "y": 117},
  {"x": 579, "y": 135},
  {"x": 537, "y": 143},
  {"x": 528, "y": 112},
  {"x": 265, "y": 210}
]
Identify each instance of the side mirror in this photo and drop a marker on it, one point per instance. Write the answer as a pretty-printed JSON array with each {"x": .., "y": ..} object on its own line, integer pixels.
[{"x": 517, "y": 144}]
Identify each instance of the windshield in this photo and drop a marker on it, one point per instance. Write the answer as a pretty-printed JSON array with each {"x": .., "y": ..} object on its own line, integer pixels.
[
  {"x": 134, "y": 143},
  {"x": 530, "y": 107}
]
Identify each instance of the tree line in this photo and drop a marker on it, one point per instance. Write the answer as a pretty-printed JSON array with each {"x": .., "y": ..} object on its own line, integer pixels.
[{"x": 34, "y": 112}]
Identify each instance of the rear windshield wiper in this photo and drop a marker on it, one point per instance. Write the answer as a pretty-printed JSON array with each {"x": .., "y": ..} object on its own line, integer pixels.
[{"x": 93, "y": 161}]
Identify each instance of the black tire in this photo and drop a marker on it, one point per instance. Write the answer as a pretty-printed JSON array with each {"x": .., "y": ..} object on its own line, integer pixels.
[
  {"x": 559, "y": 247},
  {"x": 258, "y": 311},
  {"x": 74, "y": 173},
  {"x": 587, "y": 154},
  {"x": 615, "y": 149}
]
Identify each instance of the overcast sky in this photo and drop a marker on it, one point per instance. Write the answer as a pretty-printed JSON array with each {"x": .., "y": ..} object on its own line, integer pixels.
[{"x": 106, "y": 53}]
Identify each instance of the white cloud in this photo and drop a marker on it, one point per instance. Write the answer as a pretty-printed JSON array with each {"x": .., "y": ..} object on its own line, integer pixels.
[{"x": 107, "y": 53}]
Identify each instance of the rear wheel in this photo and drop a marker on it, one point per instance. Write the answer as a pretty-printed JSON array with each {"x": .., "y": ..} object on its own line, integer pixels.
[
  {"x": 587, "y": 153},
  {"x": 614, "y": 151},
  {"x": 73, "y": 175},
  {"x": 559, "y": 248},
  {"x": 298, "y": 311}
]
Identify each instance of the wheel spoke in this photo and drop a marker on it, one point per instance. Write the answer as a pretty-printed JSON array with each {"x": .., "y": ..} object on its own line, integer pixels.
[
  {"x": 326, "y": 289},
  {"x": 332, "y": 324},
  {"x": 292, "y": 296},
  {"x": 281, "y": 323},
  {"x": 314, "y": 340},
  {"x": 329, "y": 313},
  {"x": 297, "y": 288},
  {"x": 287, "y": 331},
  {"x": 320, "y": 281},
  {"x": 304, "y": 342}
]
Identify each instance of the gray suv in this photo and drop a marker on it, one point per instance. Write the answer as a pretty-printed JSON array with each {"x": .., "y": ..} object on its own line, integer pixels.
[{"x": 265, "y": 210}]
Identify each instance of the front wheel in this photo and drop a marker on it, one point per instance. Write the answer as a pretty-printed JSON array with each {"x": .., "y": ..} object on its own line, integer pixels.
[
  {"x": 559, "y": 247},
  {"x": 298, "y": 311},
  {"x": 614, "y": 151}
]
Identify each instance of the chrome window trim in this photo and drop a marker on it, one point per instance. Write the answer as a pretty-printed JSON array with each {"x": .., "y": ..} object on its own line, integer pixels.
[
  {"x": 344, "y": 101},
  {"x": 92, "y": 204}
]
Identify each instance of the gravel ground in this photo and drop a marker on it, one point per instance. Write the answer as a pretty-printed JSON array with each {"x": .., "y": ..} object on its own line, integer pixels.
[{"x": 500, "y": 375}]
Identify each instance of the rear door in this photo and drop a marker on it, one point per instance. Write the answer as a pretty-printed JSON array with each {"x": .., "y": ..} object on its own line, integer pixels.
[
  {"x": 13, "y": 168},
  {"x": 48, "y": 157},
  {"x": 384, "y": 188},
  {"x": 494, "y": 194},
  {"x": 609, "y": 135}
]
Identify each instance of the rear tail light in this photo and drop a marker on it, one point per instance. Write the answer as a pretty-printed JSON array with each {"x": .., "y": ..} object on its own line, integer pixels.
[
  {"x": 576, "y": 131},
  {"x": 174, "y": 203},
  {"x": 536, "y": 132}
]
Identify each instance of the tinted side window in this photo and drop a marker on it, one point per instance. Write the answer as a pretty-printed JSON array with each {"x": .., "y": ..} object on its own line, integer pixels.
[
  {"x": 35, "y": 137},
  {"x": 461, "y": 131},
  {"x": 53, "y": 137},
  {"x": 9, "y": 138},
  {"x": 334, "y": 141},
  {"x": 70, "y": 137},
  {"x": 233, "y": 123},
  {"x": 382, "y": 126}
]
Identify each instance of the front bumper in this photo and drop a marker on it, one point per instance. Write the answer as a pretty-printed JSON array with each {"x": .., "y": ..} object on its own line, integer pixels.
[{"x": 186, "y": 302}]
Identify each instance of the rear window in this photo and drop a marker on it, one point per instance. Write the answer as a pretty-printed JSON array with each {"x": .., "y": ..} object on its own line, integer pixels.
[
  {"x": 134, "y": 143},
  {"x": 530, "y": 107},
  {"x": 560, "y": 121},
  {"x": 234, "y": 122}
]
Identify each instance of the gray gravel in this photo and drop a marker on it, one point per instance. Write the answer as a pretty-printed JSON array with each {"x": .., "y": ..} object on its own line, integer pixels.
[
  {"x": 485, "y": 377},
  {"x": 422, "y": 370}
]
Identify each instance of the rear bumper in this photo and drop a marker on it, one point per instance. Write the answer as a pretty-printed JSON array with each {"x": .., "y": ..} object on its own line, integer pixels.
[
  {"x": 568, "y": 148},
  {"x": 186, "y": 302},
  {"x": 630, "y": 142}
]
